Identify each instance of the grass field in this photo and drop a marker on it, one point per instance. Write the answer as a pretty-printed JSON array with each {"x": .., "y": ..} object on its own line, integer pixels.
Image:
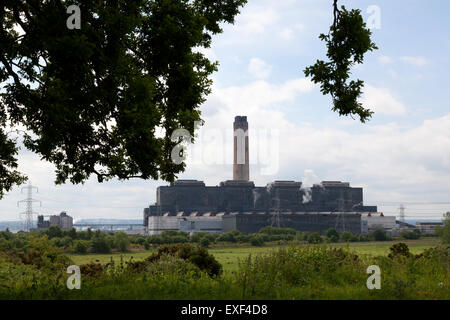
[{"x": 229, "y": 255}]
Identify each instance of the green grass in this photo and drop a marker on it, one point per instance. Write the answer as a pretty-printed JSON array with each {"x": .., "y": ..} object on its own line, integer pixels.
[{"x": 228, "y": 255}]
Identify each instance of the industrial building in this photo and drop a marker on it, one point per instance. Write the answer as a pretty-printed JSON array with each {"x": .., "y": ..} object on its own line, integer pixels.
[
  {"x": 191, "y": 206},
  {"x": 428, "y": 227},
  {"x": 378, "y": 221},
  {"x": 62, "y": 220}
]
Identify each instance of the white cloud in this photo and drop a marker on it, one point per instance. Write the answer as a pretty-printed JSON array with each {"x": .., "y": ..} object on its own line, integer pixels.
[
  {"x": 391, "y": 163},
  {"x": 255, "y": 20},
  {"x": 385, "y": 60},
  {"x": 287, "y": 33},
  {"x": 415, "y": 61},
  {"x": 380, "y": 100},
  {"x": 259, "y": 68}
]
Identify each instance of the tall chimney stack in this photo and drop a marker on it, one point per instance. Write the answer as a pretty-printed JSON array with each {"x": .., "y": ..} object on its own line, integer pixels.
[{"x": 241, "y": 160}]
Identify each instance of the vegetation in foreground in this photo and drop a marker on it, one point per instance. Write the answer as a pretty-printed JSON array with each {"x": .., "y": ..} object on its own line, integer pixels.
[
  {"x": 34, "y": 266},
  {"x": 188, "y": 271}
]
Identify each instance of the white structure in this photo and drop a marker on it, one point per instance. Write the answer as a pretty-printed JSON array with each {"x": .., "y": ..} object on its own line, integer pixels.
[
  {"x": 428, "y": 227},
  {"x": 190, "y": 224},
  {"x": 372, "y": 221}
]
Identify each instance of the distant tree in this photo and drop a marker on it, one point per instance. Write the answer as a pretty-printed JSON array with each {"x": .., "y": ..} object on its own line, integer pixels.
[
  {"x": 346, "y": 236},
  {"x": 197, "y": 236},
  {"x": 72, "y": 233},
  {"x": 54, "y": 232},
  {"x": 228, "y": 237},
  {"x": 378, "y": 235},
  {"x": 415, "y": 234},
  {"x": 80, "y": 247},
  {"x": 105, "y": 99},
  {"x": 89, "y": 234},
  {"x": 256, "y": 240},
  {"x": 121, "y": 241},
  {"x": 444, "y": 231},
  {"x": 347, "y": 42},
  {"x": 332, "y": 235},
  {"x": 205, "y": 242},
  {"x": 315, "y": 237},
  {"x": 99, "y": 243}
]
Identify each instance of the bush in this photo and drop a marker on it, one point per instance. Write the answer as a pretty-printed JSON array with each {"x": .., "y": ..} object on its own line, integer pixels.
[
  {"x": 332, "y": 235},
  {"x": 229, "y": 237},
  {"x": 399, "y": 249},
  {"x": 54, "y": 232},
  {"x": 363, "y": 238},
  {"x": 171, "y": 265},
  {"x": 242, "y": 238},
  {"x": 121, "y": 241},
  {"x": 196, "y": 237},
  {"x": 346, "y": 236},
  {"x": 99, "y": 244},
  {"x": 315, "y": 237},
  {"x": 80, "y": 246},
  {"x": 205, "y": 242},
  {"x": 193, "y": 253},
  {"x": 256, "y": 240},
  {"x": 277, "y": 231},
  {"x": 444, "y": 231},
  {"x": 378, "y": 235},
  {"x": 91, "y": 270},
  {"x": 415, "y": 234}
]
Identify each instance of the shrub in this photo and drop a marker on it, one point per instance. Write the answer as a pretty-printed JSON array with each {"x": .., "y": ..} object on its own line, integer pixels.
[
  {"x": 277, "y": 231},
  {"x": 121, "y": 241},
  {"x": 193, "y": 253},
  {"x": 54, "y": 232},
  {"x": 99, "y": 244},
  {"x": 171, "y": 265},
  {"x": 91, "y": 270},
  {"x": 205, "y": 242},
  {"x": 399, "y": 249},
  {"x": 196, "y": 237},
  {"x": 346, "y": 236},
  {"x": 363, "y": 238},
  {"x": 415, "y": 234},
  {"x": 228, "y": 237},
  {"x": 332, "y": 235},
  {"x": 378, "y": 235},
  {"x": 256, "y": 240},
  {"x": 80, "y": 246},
  {"x": 242, "y": 238},
  {"x": 315, "y": 237},
  {"x": 444, "y": 231}
]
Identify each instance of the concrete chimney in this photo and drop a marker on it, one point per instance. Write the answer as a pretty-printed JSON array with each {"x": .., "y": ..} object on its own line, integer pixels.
[{"x": 241, "y": 170}]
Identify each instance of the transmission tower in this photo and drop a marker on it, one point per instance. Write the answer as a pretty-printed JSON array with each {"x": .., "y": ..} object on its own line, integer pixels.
[
  {"x": 29, "y": 206},
  {"x": 402, "y": 213}
]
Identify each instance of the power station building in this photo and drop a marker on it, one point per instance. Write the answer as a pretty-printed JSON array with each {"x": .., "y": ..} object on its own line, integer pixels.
[
  {"x": 63, "y": 220},
  {"x": 239, "y": 204}
]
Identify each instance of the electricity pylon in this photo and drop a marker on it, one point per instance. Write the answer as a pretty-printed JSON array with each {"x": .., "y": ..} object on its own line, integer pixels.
[{"x": 29, "y": 206}]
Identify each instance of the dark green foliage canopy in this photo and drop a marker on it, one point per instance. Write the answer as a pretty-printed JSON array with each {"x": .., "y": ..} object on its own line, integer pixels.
[
  {"x": 106, "y": 98},
  {"x": 347, "y": 42}
]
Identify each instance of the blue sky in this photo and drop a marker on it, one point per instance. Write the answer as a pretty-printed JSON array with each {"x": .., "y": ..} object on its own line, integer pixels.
[{"x": 401, "y": 155}]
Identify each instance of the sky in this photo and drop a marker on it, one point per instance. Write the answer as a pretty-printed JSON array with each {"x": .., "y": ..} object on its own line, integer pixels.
[{"x": 401, "y": 156}]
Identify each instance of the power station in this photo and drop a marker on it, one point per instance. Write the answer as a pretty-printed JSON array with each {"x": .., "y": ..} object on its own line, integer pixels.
[{"x": 191, "y": 206}]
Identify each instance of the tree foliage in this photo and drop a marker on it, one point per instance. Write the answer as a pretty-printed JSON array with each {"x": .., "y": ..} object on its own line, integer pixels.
[
  {"x": 347, "y": 42},
  {"x": 105, "y": 99}
]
